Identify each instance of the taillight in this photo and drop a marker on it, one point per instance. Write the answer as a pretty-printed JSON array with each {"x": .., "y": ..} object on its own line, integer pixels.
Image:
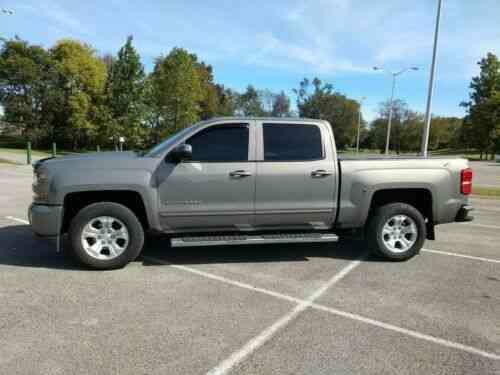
[{"x": 466, "y": 181}]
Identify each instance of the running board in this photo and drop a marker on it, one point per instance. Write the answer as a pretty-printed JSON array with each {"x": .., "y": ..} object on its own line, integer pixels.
[{"x": 253, "y": 239}]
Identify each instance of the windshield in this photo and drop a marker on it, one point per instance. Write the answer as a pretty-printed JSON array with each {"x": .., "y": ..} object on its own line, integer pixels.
[{"x": 160, "y": 148}]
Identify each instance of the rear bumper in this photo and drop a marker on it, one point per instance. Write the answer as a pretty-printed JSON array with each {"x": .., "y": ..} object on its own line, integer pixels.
[
  {"x": 45, "y": 220},
  {"x": 464, "y": 214}
]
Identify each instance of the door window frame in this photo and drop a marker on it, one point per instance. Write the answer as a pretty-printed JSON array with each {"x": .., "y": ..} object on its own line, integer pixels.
[
  {"x": 251, "y": 140},
  {"x": 260, "y": 154}
]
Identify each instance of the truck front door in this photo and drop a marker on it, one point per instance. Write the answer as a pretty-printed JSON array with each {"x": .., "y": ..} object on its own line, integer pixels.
[{"x": 215, "y": 190}]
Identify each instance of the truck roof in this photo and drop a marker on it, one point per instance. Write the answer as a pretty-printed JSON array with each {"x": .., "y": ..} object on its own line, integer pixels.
[{"x": 254, "y": 118}]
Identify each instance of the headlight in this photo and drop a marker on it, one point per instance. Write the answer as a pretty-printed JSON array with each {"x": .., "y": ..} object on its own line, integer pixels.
[
  {"x": 41, "y": 176},
  {"x": 40, "y": 185}
]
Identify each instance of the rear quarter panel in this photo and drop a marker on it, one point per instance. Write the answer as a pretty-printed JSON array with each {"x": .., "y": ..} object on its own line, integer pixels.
[{"x": 361, "y": 179}]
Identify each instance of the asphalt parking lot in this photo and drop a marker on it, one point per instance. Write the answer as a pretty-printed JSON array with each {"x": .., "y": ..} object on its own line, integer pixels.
[{"x": 296, "y": 309}]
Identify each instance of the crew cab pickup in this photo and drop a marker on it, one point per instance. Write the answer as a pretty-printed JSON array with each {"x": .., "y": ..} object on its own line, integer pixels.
[{"x": 233, "y": 181}]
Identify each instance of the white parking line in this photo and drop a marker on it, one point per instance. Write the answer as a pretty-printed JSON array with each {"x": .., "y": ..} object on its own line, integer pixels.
[
  {"x": 224, "y": 280},
  {"x": 234, "y": 359},
  {"x": 490, "y": 260},
  {"x": 408, "y": 332},
  {"x": 17, "y": 219},
  {"x": 225, "y": 366}
]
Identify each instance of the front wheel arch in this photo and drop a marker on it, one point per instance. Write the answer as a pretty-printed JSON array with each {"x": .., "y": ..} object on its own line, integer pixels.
[{"x": 124, "y": 215}]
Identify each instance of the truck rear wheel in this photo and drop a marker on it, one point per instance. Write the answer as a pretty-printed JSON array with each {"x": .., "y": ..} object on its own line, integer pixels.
[
  {"x": 106, "y": 235},
  {"x": 396, "y": 231}
]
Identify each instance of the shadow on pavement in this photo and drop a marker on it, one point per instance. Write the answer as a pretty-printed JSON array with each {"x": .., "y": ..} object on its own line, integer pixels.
[
  {"x": 20, "y": 247},
  {"x": 158, "y": 247}
]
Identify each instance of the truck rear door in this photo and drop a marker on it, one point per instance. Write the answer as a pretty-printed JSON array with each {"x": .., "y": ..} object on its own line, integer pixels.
[{"x": 296, "y": 185}]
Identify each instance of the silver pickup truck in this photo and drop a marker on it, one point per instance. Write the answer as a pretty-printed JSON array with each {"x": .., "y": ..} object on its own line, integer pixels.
[{"x": 245, "y": 181}]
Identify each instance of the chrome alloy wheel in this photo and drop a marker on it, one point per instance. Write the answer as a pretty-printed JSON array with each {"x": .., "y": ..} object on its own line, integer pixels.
[
  {"x": 104, "y": 238},
  {"x": 399, "y": 233}
]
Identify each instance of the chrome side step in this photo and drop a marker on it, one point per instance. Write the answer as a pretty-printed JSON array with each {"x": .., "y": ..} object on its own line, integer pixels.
[{"x": 239, "y": 239}]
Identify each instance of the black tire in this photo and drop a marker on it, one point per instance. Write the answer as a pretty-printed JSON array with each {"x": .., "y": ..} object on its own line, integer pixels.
[
  {"x": 378, "y": 219},
  {"x": 115, "y": 210}
]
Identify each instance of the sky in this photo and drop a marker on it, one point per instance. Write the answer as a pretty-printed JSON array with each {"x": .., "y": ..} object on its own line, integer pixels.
[{"x": 273, "y": 44}]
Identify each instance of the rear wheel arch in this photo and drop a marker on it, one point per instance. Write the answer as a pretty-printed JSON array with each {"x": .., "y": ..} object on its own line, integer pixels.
[
  {"x": 420, "y": 198},
  {"x": 396, "y": 231}
]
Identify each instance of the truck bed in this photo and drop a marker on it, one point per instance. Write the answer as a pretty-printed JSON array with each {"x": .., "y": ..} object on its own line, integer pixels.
[
  {"x": 391, "y": 157},
  {"x": 361, "y": 177}
]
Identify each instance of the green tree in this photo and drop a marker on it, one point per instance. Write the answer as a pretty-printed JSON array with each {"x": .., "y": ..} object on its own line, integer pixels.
[
  {"x": 483, "y": 118},
  {"x": 406, "y": 127},
  {"x": 24, "y": 72},
  {"x": 80, "y": 88},
  {"x": 227, "y": 101},
  {"x": 281, "y": 105},
  {"x": 445, "y": 133},
  {"x": 399, "y": 113},
  {"x": 178, "y": 91},
  {"x": 209, "y": 103},
  {"x": 411, "y": 131},
  {"x": 249, "y": 103},
  {"x": 325, "y": 103},
  {"x": 108, "y": 60},
  {"x": 125, "y": 96}
]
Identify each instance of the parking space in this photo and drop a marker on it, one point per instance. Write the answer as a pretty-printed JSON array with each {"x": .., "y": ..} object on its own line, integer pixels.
[
  {"x": 452, "y": 298},
  {"x": 294, "y": 269},
  {"x": 55, "y": 318},
  {"x": 307, "y": 309},
  {"x": 320, "y": 343},
  {"x": 467, "y": 239}
]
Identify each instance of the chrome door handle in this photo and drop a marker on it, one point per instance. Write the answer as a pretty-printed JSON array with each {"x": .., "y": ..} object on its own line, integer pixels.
[
  {"x": 320, "y": 173},
  {"x": 240, "y": 173}
]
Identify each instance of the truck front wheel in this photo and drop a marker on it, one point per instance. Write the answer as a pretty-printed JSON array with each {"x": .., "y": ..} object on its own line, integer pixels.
[
  {"x": 106, "y": 235},
  {"x": 396, "y": 231}
]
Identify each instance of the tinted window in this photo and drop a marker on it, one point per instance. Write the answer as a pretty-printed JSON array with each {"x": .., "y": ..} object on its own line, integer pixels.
[
  {"x": 221, "y": 143},
  {"x": 292, "y": 142}
]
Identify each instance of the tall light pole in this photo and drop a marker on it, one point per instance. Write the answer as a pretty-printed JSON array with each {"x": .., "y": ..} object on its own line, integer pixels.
[
  {"x": 427, "y": 125},
  {"x": 389, "y": 122},
  {"x": 6, "y": 11},
  {"x": 359, "y": 123}
]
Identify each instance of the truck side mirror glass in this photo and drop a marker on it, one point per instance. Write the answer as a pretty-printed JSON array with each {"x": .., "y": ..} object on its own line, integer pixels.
[{"x": 182, "y": 152}]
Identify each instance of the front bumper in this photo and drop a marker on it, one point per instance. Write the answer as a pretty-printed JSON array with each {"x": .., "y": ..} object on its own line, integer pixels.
[
  {"x": 464, "y": 214},
  {"x": 45, "y": 220}
]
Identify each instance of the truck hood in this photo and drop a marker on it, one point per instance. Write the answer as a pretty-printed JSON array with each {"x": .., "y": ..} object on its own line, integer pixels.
[
  {"x": 87, "y": 156},
  {"x": 96, "y": 160}
]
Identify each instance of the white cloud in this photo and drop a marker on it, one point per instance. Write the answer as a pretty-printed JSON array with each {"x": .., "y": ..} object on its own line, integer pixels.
[
  {"x": 279, "y": 53},
  {"x": 56, "y": 16},
  {"x": 343, "y": 36}
]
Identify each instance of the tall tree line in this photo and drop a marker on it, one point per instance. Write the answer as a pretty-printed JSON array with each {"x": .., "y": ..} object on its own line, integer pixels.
[
  {"x": 71, "y": 95},
  {"x": 481, "y": 127},
  {"x": 478, "y": 130},
  {"x": 406, "y": 130}
]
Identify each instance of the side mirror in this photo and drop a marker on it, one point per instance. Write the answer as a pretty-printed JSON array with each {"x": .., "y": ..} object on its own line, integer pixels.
[{"x": 183, "y": 152}]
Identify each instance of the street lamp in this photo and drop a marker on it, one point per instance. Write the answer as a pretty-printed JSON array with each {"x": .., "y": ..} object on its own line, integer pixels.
[
  {"x": 427, "y": 125},
  {"x": 359, "y": 123},
  {"x": 7, "y": 11},
  {"x": 394, "y": 75}
]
